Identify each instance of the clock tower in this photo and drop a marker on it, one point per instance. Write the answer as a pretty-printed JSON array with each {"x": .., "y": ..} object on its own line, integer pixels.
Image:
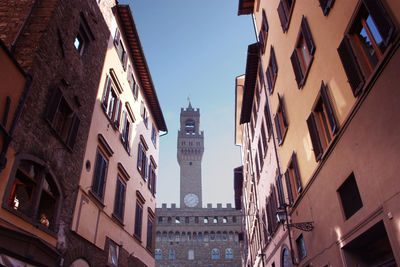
[{"x": 190, "y": 152}]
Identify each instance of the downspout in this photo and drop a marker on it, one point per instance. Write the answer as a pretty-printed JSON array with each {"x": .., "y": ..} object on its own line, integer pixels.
[{"x": 21, "y": 30}]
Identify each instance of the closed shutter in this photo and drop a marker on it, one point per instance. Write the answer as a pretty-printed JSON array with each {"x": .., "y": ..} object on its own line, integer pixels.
[
  {"x": 118, "y": 114},
  {"x": 97, "y": 174},
  {"x": 273, "y": 62},
  {"x": 106, "y": 93},
  {"x": 279, "y": 188},
  {"x": 326, "y": 5},
  {"x": 265, "y": 22},
  {"x": 52, "y": 106},
  {"x": 150, "y": 176},
  {"x": 289, "y": 187},
  {"x": 117, "y": 204},
  {"x": 122, "y": 200},
  {"x": 351, "y": 67},
  {"x": 73, "y": 131},
  {"x": 117, "y": 36},
  {"x": 278, "y": 129},
  {"x": 103, "y": 174},
  {"x": 145, "y": 172},
  {"x": 267, "y": 115},
  {"x": 305, "y": 30},
  {"x": 282, "y": 110},
  {"x": 297, "y": 68},
  {"x": 296, "y": 173},
  {"x": 138, "y": 220},
  {"x": 328, "y": 107},
  {"x": 269, "y": 80},
  {"x": 154, "y": 183},
  {"x": 140, "y": 158},
  {"x": 381, "y": 19},
  {"x": 149, "y": 233},
  {"x": 261, "y": 40},
  {"x": 282, "y": 16},
  {"x": 314, "y": 137}
]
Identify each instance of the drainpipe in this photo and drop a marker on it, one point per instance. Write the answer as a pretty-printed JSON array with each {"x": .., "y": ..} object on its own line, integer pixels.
[{"x": 21, "y": 30}]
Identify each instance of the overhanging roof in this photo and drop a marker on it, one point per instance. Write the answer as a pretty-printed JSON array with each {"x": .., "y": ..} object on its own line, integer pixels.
[
  {"x": 250, "y": 82},
  {"x": 246, "y": 7},
  {"x": 136, "y": 51}
]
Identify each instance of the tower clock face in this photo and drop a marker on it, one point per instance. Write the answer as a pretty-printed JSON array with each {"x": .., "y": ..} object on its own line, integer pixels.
[{"x": 191, "y": 200}]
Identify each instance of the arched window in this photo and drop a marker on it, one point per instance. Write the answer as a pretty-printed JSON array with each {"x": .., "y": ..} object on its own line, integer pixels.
[
  {"x": 230, "y": 236},
  {"x": 177, "y": 236},
  {"x": 33, "y": 193},
  {"x": 158, "y": 236},
  {"x": 215, "y": 254},
  {"x": 194, "y": 236},
  {"x": 206, "y": 236},
  {"x": 189, "y": 236},
  {"x": 286, "y": 259},
  {"x": 236, "y": 236},
  {"x": 164, "y": 236},
  {"x": 212, "y": 236},
  {"x": 190, "y": 126},
  {"x": 228, "y": 253},
  {"x": 171, "y": 236},
  {"x": 224, "y": 220},
  {"x": 200, "y": 236},
  {"x": 183, "y": 236},
  {"x": 158, "y": 254},
  {"x": 224, "y": 236},
  {"x": 218, "y": 236}
]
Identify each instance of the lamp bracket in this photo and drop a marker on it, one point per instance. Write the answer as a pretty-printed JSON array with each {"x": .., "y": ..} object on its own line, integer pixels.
[{"x": 304, "y": 226}]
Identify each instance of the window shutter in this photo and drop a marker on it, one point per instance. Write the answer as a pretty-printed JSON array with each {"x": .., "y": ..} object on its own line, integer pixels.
[
  {"x": 269, "y": 80},
  {"x": 267, "y": 115},
  {"x": 73, "y": 131},
  {"x": 118, "y": 114},
  {"x": 52, "y": 106},
  {"x": 140, "y": 155},
  {"x": 282, "y": 109},
  {"x": 328, "y": 108},
  {"x": 107, "y": 88},
  {"x": 351, "y": 67},
  {"x": 150, "y": 176},
  {"x": 103, "y": 175},
  {"x": 381, "y": 19},
  {"x": 273, "y": 61},
  {"x": 125, "y": 60},
  {"x": 117, "y": 198},
  {"x": 297, "y": 69},
  {"x": 145, "y": 173},
  {"x": 278, "y": 129},
  {"x": 154, "y": 183},
  {"x": 296, "y": 173},
  {"x": 117, "y": 36},
  {"x": 326, "y": 5},
  {"x": 265, "y": 21},
  {"x": 289, "y": 187},
  {"x": 282, "y": 16},
  {"x": 124, "y": 119},
  {"x": 279, "y": 188},
  {"x": 122, "y": 200},
  {"x": 314, "y": 137},
  {"x": 261, "y": 40},
  {"x": 305, "y": 29},
  {"x": 97, "y": 174}
]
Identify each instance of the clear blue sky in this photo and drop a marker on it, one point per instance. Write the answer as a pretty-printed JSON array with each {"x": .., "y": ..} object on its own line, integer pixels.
[{"x": 196, "y": 48}]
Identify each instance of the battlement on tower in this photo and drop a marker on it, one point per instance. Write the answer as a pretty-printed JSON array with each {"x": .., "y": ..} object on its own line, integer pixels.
[{"x": 164, "y": 206}]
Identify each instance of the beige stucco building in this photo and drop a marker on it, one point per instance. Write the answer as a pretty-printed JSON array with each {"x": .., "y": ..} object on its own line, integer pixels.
[{"x": 330, "y": 72}]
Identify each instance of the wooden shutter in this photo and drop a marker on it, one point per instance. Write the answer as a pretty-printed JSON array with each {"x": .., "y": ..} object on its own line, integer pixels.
[
  {"x": 103, "y": 175},
  {"x": 273, "y": 62},
  {"x": 97, "y": 174},
  {"x": 305, "y": 30},
  {"x": 118, "y": 114},
  {"x": 125, "y": 121},
  {"x": 145, "y": 173},
  {"x": 122, "y": 199},
  {"x": 267, "y": 115},
  {"x": 381, "y": 19},
  {"x": 125, "y": 60},
  {"x": 261, "y": 40},
  {"x": 279, "y": 188},
  {"x": 117, "y": 36},
  {"x": 282, "y": 16},
  {"x": 282, "y": 110},
  {"x": 106, "y": 93},
  {"x": 296, "y": 173},
  {"x": 73, "y": 131},
  {"x": 328, "y": 107},
  {"x": 140, "y": 158},
  {"x": 265, "y": 21},
  {"x": 154, "y": 183},
  {"x": 278, "y": 129},
  {"x": 326, "y": 5},
  {"x": 351, "y": 67},
  {"x": 53, "y": 104},
  {"x": 297, "y": 68},
  {"x": 269, "y": 80},
  {"x": 150, "y": 175},
  {"x": 312, "y": 128},
  {"x": 149, "y": 233},
  {"x": 289, "y": 187}
]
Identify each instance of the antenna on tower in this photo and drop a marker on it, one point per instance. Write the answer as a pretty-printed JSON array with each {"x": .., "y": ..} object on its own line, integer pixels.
[{"x": 190, "y": 103}]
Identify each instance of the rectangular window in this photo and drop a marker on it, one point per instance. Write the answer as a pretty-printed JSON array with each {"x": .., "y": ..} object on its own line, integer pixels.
[
  {"x": 154, "y": 136},
  {"x": 350, "y": 196},
  {"x": 321, "y": 123},
  {"x": 303, "y": 53},
  {"x": 119, "y": 203},
  {"x": 191, "y": 254},
  {"x": 272, "y": 70},
  {"x": 122, "y": 54},
  {"x": 285, "y": 9},
  {"x": 149, "y": 243},
  {"x": 293, "y": 182},
  {"x": 271, "y": 207},
  {"x": 279, "y": 189},
  {"x": 142, "y": 162},
  {"x": 362, "y": 48},
  {"x": 158, "y": 254},
  {"x": 83, "y": 36},
  {"x": 99, "y": 175},
  {"x": 301, "y": 247},
  {"x": 144, "y": 114},
  {"x": 281, "y": 124},
  {"x": 152, "y": 178},
  {"x": 62, "y": 119},
  {"x": 138, "y": 220},
  {"x": 111, "y": 103},
  {"x": 263, "y": 32}
]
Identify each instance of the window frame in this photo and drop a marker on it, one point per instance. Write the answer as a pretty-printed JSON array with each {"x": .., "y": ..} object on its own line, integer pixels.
[
  {"x": 272, "y": 70},
  {"x": 121, "y": 51},
  {"x": 285, "y": 10},
  {"x": 150, "y": 230},
  {"x": 138, "y": 220},
  {"x": 112, "y": 110},
  {"x": 119, "y": 200},
  {"x": 293, "y": 181},
  {"x": 102, "y": 180}
]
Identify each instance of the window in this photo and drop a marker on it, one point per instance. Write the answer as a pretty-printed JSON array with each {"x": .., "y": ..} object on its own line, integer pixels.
[
  {"x": 271, "y": 207},
  {"x": 263, "y": 32},
  {"x": 224, "y": 236},
  {"x": 234, "y": 219},
  {"x": 138, "y": 220},
  {"x": 62, "y": 119},
  {"x": 321, "y": 123},
  {"x": 122, "y": 54},
  {"x": 212, "y": 235},
  {"x": 301, "y": 247},
  {"x": 83, "y": 36},
  {"x": 272, "y": 71},
  {"x": 99, "y": 175},
  {"x": 149, "y": 242},
  {"x": 257, "y": 166},
  {"x": 205, "y": 220},
  {"x": 326, "y": 6},
  {"x": 292, "y": 177},
  {"x": 219, "y": 236},
  {"x": 132, "y": 82},
  {"x": 200, "y": 236},
  {"x": 111, "y": 103},
  {"x": 285, "y": 9},
  {"x": 196, "y": 219},
  {"x": 158, "y": 254},
  {"x": 80, "y": 41},
  {"x": 177, "y": 220},
  {"x": 205, "y": 236},
  {"x": 268, "y": 121},
  {"x": 33, "y": 193},
  {"x": 190, "y": 127},
  {"x": 303, "y": 53},
  {"x": 260, "y": 154},
  {"x": 127, "y": 129},
  {"x": 264, "y": 139},
  {"x": 279, "y": 189},
  {"x": 281, "y": 123},
  {"x": 362, "y": 48},
  {"x": 350, "y": 196},
  {"x": 215, "y": 220},
  {"x": 143, "y": 113},
  {"x": 186, "y": 219},
  {"x": 169, "y": 219},
  {"x": 172, "y": 254},
  {"x": 228, "y": 253},
  {"x": 224, "y": 220},
  {"x": 152, "y": 178},
  {"x": 119, "y": 203},
  {"x": 113, "y": 253},
  {"x": 154, "y": 136},
  {"x": 191, "y": 254},
  {"x": 160, "y": 220},
  {"x": 215, "y": 254},
  {"x": 142, "y": 161},
  {"x": 164, "y": 236}
]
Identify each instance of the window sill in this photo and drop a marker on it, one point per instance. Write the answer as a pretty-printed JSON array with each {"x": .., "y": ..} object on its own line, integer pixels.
[
  {"x": 99, "y": 203},
  {"x": 116, "y": 219}
]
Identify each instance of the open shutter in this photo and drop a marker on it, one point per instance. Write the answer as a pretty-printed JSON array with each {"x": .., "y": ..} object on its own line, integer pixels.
[
  {"x": 278, "y": 129},
  {"x": 351, "y": 67},
  {"x": 103, "y": 173},
  {"x": 154, "y": 183},
  {"x": 117, "y": 198},
  {"x": 140, "y": 158},
  {"x": 117, "y": 36},
  {"x": 145, "y": 172},
  {"x": 124, "y": 129},
  {"x": 106, "y": 93},
  {"x": 297, "y": 68},
  {"x": 125, "y": 60},
  {"x": 265, "y": 21},
  {"x": 73, "y": 131},
  {"x": 261, "y": 40},
  {"x": 281, "y": 197},
  {"x": 282, "y": 16},
  {"x": 52, "y": 106},
  {"x": 326, "y": 5},
  {"x": 282, "y": 109},
  {"x": 269, "y": 80},
  {"x": 289, "y": 187},
  {"x": 122, "y": 200},
  {"x": 118, "y": 114},
  {"x": 150, "y": 176},
  {"x": 273, "y": 62},
  {"x": 381, "y": 19},
  {"x": 328, "y": 107},
  {"x": 296, "y": 173},
  {"x": 305, "y": 30},
  {"x": 314, "y": 137}
]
